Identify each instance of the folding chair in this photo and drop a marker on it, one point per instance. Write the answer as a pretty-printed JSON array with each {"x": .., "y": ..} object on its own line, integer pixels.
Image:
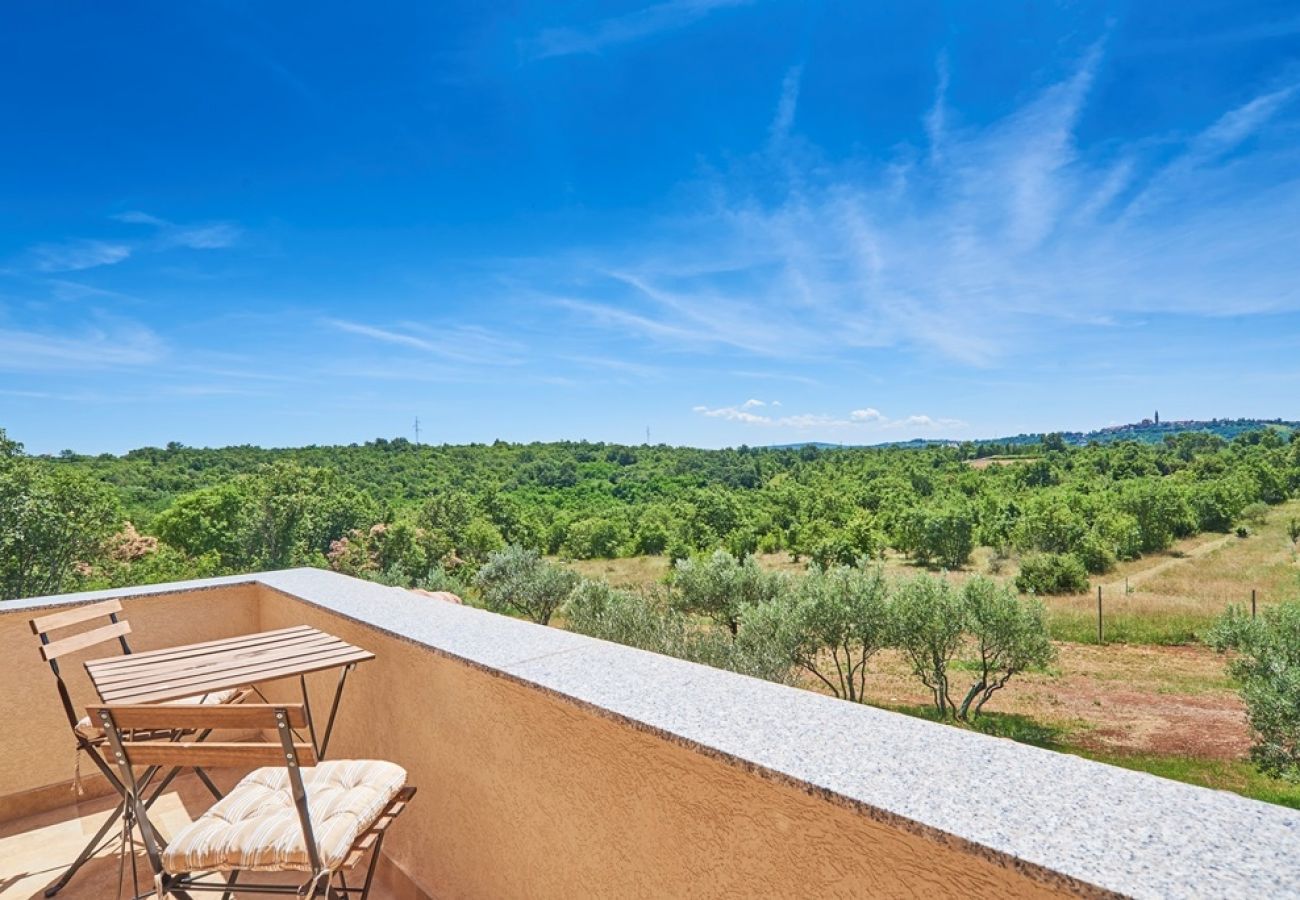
[
  {"x": 90, "y": 739},
  {"x": 291, "y": 815}
]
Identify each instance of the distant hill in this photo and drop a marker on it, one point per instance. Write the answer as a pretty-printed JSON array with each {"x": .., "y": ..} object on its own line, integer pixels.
[
  {"x": 1146, "y": 431},
  {"x": 1150, "y": 432}
]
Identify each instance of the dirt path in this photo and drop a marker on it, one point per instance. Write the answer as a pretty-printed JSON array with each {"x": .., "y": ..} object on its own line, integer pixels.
[{"x": 1163, "y": 566}]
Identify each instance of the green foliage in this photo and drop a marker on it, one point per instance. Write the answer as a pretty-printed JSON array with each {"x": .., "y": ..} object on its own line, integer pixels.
[
  {"x": 984, "y": 625},
  {"x": 1008, "y": 636},
  {"x": 209, "y": 520},
  {"x": 830, "y": 625},
  {"x": 1052, "y": 573},
  {"x": 944, "y": 536},
  {"x": 281, "y": 515},
  {"x": 594, "y": 538},
  {"x": 257, "y": 508},
  {"x": 720, "y": 587},
  {"x": 929, "y": 628},
  {"x": 53, "y": 522},
  {"x": 1254, "y": 514},
  {"x": 519, "y": 582},
  {"x": 648, "y": 623},
  {"x": 1268, "y": 666}
]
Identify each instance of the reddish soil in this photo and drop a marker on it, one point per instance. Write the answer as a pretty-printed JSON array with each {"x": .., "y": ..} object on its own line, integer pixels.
[{"x": 1117, "y": 699}]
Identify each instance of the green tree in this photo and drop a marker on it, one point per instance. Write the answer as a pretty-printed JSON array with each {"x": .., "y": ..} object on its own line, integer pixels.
[
  {"x": 1268, "y": 667},
  {"x": 53, "y": 520},
  {"x": 209, "y": 520},
  {"x": 942, "y": 535},
  {"x": 520, "y": 582},
  {"x": 594, "y": 538},
  {"x": 831, "y": 626},
  {"x": 1052, "y": 573},
  {"x": 1008, "y": 636},
  {"x": 644, "y": 621},
  {"x": 929, "y": 625},
  {"x": 720, "y": 587}
]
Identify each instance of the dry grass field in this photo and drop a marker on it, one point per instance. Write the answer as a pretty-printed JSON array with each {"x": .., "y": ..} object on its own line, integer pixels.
[{"x": 1165, "y": 598}]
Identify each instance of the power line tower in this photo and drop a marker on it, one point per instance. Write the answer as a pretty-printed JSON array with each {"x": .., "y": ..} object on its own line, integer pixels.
[
  {"x": 647, "y": 435},
  {"x": 417, "y": 431}
]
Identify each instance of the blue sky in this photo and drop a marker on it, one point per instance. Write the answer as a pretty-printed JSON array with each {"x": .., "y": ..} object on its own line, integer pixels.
[{"x": 728, "y": 222}]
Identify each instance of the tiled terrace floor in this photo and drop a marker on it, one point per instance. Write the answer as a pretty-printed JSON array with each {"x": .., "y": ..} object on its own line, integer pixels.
[{"x": 35, "y": 850}]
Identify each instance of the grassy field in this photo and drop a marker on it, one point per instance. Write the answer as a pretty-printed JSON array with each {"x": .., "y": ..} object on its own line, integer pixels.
[{"x": 1166, "y": 598}]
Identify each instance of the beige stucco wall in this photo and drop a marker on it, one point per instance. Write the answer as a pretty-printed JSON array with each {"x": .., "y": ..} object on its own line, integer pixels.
[
  {"x": 523, "y": 793},
  {"x": 37, "y": 751}
]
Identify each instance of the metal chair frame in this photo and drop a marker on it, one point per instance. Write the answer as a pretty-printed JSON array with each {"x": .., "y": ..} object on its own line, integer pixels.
[
  {"x": 52, "y": 650},
  {"x": 283, "y": 751}
]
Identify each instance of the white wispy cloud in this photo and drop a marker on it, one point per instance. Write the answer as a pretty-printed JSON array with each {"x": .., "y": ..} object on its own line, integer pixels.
[
  {"x": 611, "y": 32},
  {"x": 623, "y": 366},
  {"x": 98, "y": 347},
  {"x": 73, "y": 256},
  {"x": 89, "y": 253},
  {"x": 783, "y": 121},
  {"x": 468, "y": 344},
  {"x": 866, "y": 419},
  {"x": 990, "y": 241}
]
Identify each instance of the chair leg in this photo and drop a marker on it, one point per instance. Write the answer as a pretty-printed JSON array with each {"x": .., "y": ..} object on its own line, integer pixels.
[
  {"x": 370, "y": 870},
  {"x": 207, "y": 782},
  {"x": 87, "y": 852},
  {"x": 230, "y": 882}
]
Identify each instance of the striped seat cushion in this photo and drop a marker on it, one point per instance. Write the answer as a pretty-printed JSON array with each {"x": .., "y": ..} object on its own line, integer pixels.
[
  {"x": 91, "y": 732},
  {"x": 256, "y": 828}
]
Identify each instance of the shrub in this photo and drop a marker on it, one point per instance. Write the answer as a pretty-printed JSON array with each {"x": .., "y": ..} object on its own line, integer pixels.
[
  {"x": 830, "y": 626},
  {"x": 1269, "y": 670},
  {"x": 1254, "y": 514},
  {"x": 520, "y": 582},
  {"x": 1095, "y": 554},
  {"x": 1052, "y": 573},
  {"x": 594, "y": 538},
  {"x": 647, "y": 623},
  {"x": 943, "y": 536},
  {"x": 720, "y": 587}
]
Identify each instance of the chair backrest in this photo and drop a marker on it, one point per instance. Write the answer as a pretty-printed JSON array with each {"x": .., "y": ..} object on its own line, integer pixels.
[
  {"x": 120, "y": 721},
  {"x": 164, "y": 718},
  {"x": 52, "y": 648}
]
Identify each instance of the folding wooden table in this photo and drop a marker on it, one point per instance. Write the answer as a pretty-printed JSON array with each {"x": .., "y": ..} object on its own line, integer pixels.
[{"x": 160, "y": 676}]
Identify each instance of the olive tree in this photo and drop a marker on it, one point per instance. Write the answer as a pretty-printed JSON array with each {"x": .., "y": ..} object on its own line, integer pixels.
[
  {"x": 987, "y": 627},
  {"x": 830, "y": 625},
  {"x": 720, "y": 587},
  {"x": 1268, "y": 667},
  {"x": 519, "y": 582},
  {"x": 929, "y": 627},
  {"x": 645, "y": 621},
  {"x": 1007, "y": 636}
]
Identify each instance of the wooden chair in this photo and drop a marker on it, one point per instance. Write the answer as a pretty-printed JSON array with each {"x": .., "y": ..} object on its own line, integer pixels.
[
  {"x": 89, "y": 737},
  {"x": 290, "y": 815}
]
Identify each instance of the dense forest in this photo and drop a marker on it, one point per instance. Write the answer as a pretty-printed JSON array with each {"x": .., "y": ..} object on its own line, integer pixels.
[{"x": 411, "y": 514}]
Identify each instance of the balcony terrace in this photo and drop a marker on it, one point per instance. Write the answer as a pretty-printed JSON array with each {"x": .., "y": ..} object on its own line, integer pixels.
[{"x": 554, "y": 765}]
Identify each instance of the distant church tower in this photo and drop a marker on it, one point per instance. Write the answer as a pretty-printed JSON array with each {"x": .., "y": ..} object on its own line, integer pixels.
[{"x": 1157, "y": 417}]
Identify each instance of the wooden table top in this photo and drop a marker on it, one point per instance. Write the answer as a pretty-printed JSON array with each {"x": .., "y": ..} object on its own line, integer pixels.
[{"x": 195, "y": 669}]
